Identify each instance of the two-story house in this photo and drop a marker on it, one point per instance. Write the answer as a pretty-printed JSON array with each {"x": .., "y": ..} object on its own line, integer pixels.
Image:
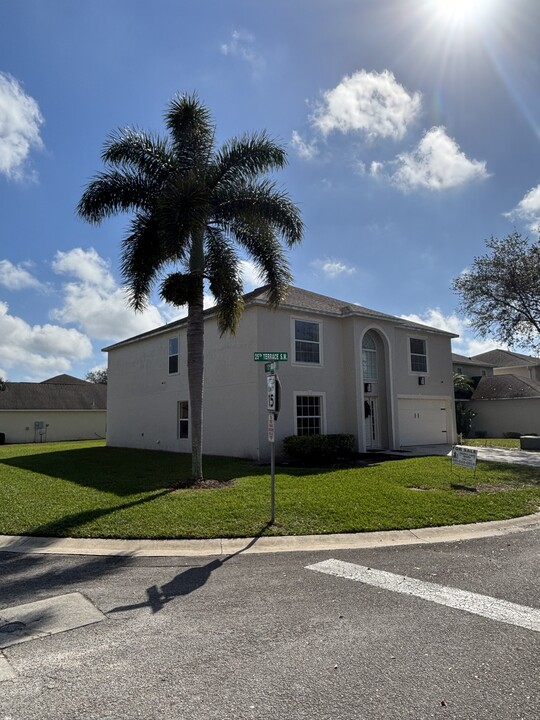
[{"x": 349, "y": 370}]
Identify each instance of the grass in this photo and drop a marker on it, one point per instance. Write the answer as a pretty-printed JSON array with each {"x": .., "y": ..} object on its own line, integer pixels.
[
  {"x": 511, "y": 443},
  {"x": 84, "y": 489}
]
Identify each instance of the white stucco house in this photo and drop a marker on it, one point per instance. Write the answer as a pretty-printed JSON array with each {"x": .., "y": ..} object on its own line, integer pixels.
[
  {"x": 349, "y": 370},
  {"x": 60, "y": 408}
]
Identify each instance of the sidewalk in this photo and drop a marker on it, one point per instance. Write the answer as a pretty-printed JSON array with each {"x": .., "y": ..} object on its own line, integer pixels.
[{"x": 297, "y": 543}]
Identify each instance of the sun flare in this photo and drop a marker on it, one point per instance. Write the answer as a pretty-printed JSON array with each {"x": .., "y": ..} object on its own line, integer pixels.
[{"x": 460, "y": 12}]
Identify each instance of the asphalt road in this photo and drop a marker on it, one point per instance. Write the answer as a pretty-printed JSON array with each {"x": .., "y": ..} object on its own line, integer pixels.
[{"x": 263, "y": 637}]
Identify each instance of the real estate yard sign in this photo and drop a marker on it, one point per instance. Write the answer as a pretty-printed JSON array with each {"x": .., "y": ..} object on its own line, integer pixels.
[{"x": 464, "y": 456}]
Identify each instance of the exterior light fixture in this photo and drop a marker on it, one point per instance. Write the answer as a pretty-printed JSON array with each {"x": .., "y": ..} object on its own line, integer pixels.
[
  {"x": 367, "y": 387},
  {"x": 421, "y": 380}
]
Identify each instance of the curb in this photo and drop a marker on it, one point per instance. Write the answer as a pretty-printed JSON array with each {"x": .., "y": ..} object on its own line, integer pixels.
[{"x": 260, "y": 545}]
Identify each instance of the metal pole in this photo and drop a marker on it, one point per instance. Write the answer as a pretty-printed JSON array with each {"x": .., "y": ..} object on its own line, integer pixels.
[{"x": 272, "y": 482}]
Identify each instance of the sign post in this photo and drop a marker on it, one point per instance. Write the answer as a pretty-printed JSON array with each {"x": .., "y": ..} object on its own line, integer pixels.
[{"x": 273, "y": 404}]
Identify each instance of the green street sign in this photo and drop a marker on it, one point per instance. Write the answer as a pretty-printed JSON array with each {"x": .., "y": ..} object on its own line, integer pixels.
[{"x": 270, "y": 356}]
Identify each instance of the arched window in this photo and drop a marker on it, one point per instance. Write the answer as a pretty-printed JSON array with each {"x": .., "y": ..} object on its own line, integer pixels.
[{"x": 369, "y": 357}]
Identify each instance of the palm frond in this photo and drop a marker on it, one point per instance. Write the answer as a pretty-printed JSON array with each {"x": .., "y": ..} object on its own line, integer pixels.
[
  {"x": 192, "y": 132},
  {"x": 267, "y": 252},
  {"x": 256, "y": 202},
  {"x": 141, "y": 259},
  {"x": 177, "y": 289},
  {"x": 223, "y": 272},
  {"x": 247, "y": 157},
  {"x": 112, "y": 192},
  {"x": 140, "y": 151}
]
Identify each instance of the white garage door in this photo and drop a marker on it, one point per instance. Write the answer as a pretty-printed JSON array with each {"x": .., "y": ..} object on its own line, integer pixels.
[{"x": 423, "y": 421}]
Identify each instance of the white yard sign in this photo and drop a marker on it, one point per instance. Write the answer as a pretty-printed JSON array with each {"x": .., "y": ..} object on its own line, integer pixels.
[{"x": 464, "y": 456}]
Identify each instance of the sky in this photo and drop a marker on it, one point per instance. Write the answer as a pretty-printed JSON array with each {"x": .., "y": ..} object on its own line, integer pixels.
[{"x": 412, "y": 131}]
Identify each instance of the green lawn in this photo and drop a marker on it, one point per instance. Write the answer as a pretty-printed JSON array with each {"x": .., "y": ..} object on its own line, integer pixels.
[
  {"x": 85, "y": 489},
  {"x": 512, "y": 443}
]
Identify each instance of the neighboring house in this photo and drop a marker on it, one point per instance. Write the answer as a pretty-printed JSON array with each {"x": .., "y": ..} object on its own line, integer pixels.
[
  {"x": 61, "y": 408},
  {"x": 506, "y": 398},
  {"x": 349, "y": 370}
]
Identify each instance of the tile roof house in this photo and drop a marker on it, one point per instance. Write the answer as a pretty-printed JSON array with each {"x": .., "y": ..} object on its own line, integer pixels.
[
  {"x": 60, "y": 408},
  {"x": 506, "y": 398},
  {"x": 350, "y": 369}
]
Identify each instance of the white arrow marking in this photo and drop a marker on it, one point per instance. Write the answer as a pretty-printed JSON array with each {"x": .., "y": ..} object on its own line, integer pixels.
[{"x": 488, "y": 607}]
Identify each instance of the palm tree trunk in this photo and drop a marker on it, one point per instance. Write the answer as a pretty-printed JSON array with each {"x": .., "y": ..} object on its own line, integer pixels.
[{"x": 195, "y": 349}]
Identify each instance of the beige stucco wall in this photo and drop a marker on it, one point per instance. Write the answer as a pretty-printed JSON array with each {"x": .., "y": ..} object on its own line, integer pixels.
[
  {"x": 142, "y": 396},
  {"x": 500, "y": 416},
  {"x": 18, "y": 425}
]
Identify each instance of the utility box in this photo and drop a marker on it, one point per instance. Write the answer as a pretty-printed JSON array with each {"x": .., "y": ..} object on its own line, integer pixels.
[
  {"x": 2, "y": 438},
  {"x": 530, "y": 442}
]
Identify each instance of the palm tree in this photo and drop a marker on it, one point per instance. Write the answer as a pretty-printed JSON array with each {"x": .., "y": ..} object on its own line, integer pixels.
[{"x": 193, "y": 206}]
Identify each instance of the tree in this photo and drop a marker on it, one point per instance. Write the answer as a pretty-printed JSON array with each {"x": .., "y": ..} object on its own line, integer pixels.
[
  {"x": 2, "y": 384},
  {"x": 500, "y": 293},
  {"x": 194, "y": 206},
  {"x": 99, "y": 376}
]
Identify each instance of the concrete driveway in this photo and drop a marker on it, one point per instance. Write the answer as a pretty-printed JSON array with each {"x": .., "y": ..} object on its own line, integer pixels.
[{"x": 491, "y": 454}]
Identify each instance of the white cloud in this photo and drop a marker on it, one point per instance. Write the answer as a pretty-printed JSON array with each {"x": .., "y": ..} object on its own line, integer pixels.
[
  {"x": 304, "y": 150},
  {"x": 250, "y": 275},
  {"x": 372, "y": 103},
  {"x": 39, "y": 349},
  {"x": 333, "y": 268},
  {"x": 436, "y": 163},
  {"x": 20, "y": 121},
  {"x": 242, "y": 45},
  {"x": 528, "y": 209},
  {"x": 16, "y": 277},
  {"x": 466, "y": 344},
  {"x": 95, "y": 302}
]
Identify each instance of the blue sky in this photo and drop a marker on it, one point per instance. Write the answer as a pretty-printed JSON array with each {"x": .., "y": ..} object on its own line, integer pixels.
[{"x": 412, "y": 129}]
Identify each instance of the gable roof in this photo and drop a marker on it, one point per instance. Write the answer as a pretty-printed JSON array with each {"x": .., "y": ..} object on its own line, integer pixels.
[
  {"x": 53, "y": 396},
  {"x": 506, "y": 358},
  {"x": 463, "y": 360},
  {"x": 299, "y": 300},
  {"x": 65, "y": 380},
  {"x": 506, "y": 387}
]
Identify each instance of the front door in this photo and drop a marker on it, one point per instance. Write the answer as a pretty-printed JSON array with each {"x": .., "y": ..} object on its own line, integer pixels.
[{"x": 371, "y": 422}]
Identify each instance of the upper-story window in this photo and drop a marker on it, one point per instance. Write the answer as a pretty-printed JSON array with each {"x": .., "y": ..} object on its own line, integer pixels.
[
  {"x": 418, "y": 355},
  {"x": 173, "y": 355},
  {"x": 369, "y": 357},
  {"x": 307, "y": 342}
]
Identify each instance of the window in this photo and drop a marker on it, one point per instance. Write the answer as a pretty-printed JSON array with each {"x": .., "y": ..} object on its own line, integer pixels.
[
  {"x": 307, "y": 342},
  {"x": 308, "y": 414},
  {"x": 173, "y": 355},
  {"x": 182, "y": 424},
  {"x": 369, "y": 358},
  {"x": 418, "y": 355}
]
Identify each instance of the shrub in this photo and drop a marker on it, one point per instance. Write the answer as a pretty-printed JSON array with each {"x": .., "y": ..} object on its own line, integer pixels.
[
  {"x": 513, "y": 435},
  {"x": 480, "y": 433},
  {"x": 318, "y": 448}
]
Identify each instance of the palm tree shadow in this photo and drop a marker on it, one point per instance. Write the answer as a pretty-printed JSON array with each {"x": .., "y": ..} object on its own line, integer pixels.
[{"x": 185, "y": 582}]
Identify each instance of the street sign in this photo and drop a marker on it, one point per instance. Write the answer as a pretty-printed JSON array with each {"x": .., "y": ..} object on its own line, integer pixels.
[
  {"x": 270, "y": 356},
  {"x": 271, "y": 393},
  {"x": 464, "y": 456},
  {"x": 271, "y": 427},
  {"x": 270, "y": 367}
]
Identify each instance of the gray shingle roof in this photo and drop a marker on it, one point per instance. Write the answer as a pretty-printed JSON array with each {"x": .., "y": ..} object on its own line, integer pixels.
[
  {"x": 504, "y": 387},
  {"x": 463, "y": 360},
  {"x": 302, "y": 300},
  {"x": 53, "y": 396},
  {"x": 506, "y": 358}
]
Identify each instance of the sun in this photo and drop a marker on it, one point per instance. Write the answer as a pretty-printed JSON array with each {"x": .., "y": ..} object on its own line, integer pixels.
[{"x": 460, "y": 12}]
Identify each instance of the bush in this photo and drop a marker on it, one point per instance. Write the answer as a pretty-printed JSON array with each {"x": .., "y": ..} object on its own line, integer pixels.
[
  {"x": 480, "y": 434},
  {"x": 318, "y": 448},
  {"x": 512, "y": 435}
]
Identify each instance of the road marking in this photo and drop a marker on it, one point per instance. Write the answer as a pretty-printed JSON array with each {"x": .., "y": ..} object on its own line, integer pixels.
[{"x": 488, "y": 607}]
